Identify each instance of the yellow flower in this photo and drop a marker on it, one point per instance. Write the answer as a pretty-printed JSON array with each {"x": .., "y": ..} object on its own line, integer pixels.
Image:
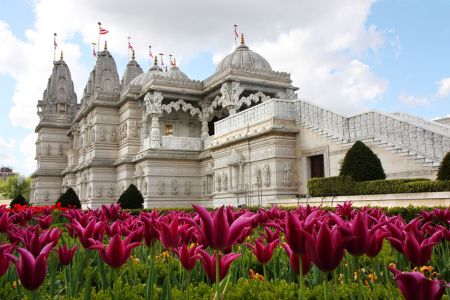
[
  {"x": 392, "y": 265},
  {"x": 14, "y": 284},
  {"x": 373, "y": 277},
  {"x": 426, "y": 268}
]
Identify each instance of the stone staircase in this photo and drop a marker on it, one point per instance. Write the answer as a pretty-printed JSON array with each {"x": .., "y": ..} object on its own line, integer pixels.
[{"x": 414, "y": 138}]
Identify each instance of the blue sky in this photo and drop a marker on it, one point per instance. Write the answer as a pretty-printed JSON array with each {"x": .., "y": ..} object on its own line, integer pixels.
[{"x": 346, "y": 55}]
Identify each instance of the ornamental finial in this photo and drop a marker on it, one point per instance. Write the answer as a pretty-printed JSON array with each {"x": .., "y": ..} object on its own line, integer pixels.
[
  {"x": 62, "y": 56},
  {"x": 242, "y": 39},
  {"x": 132, "y": 54},
  {"x": 155, "y": 61},
  {"x": 106, "y": 45}
]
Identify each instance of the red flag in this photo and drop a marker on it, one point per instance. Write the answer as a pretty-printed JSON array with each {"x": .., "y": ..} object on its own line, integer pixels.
[
  {"x": 129, "y": 44},
  {"x": 102, "y": 30},
  {"x": 54, "y": 41}
]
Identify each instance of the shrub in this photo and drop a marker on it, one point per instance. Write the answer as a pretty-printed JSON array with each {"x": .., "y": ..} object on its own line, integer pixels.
[
  {"x": 69, "y": 199},
  {"x": 346, "y": 186},
  {"x": 131, "y": 198},
  {"x": 362, "y": 164},
  {"x": 444, "y": 168},
  {"x": 18, "y": 200}
]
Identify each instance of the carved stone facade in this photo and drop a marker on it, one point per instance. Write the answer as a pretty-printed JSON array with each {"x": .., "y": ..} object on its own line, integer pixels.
[{"x": 240, "y": 136}]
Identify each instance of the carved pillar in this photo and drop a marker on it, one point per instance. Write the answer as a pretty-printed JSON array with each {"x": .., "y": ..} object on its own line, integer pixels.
[
  {"x": 155, "y": 134},
  {"x": 153, "y": 104},
  {"x": 204, "y": 119},
  {"x": 230, "y": 96}
]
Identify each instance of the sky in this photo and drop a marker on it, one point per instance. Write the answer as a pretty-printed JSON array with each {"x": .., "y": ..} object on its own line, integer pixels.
[{"x": 348, "y": 56}]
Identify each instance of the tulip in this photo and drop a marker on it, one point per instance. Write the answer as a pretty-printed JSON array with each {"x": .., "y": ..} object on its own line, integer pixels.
[
  {"x": 150, "y": 227},
  {"x": 169, "y": 234},
  {"x": 93, "y": 231},
  {"x": 4, "y": 260},
  {"x": 345, "y": 211},
  {"x": 117, "y": 252},
  {"x": 415, "y": 286},
  {"x": 4, "y": 221},
  {"x": 45, "y": 222},
  {"x": 364, "y": 237},
  {"x": 270, "y": 235},
  {"x": 263, "y": 252},
  {"x": 188, "y": 257},
  {"x": 326, "y": 247},
  {"x": 208, "y": 263},
  {"x": 30, "y": 270},
  {"x": 65, "y": 254},
  {"x": 219, "y": 232},
  {"x": 294, "y": 261},
  {"x": 295, "y": 229}
]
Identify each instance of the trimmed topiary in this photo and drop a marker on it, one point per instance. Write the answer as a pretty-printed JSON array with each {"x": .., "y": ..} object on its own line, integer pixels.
[
  {"x": 362, "y": 164},
  {"x": 69, "y": 199},
  {"x": 131, "y": 198},
  {"x": 19, "y": 199},
  {"x": 444, "y": 168}
]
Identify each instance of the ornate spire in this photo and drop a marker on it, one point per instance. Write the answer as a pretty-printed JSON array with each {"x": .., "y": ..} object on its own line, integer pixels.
[
  {"x": 155, "y": 61},
  {"x": 132, "y": 54},
  {"x": 106, "y": 45},
  {"x": 62, "y": 56},
  {"x": 242, "y": 39}
]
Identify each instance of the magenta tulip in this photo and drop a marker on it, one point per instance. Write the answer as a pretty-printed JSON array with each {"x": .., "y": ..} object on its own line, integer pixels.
[
  {"x": 326, "y": 247},
  {"x": 263, "y": 252},
  {"x": 415, "y": 286},
  {"x": 209, "y": 263},
  {"x": 93, "y": 231},
  {"x": 295, "y": 261},
  {"x": 117, "y": 252},
  {"x": 30, "y": 270},
  {"x": 188, "y": 256},
  {"x": 295, "y": 231},
  {"x": 150, "y": 221},
  {"x": 45, "y": 222},
  {"x": 65, "y": 254},
  {"x": 169, "y": 234},
  {"x": 4, "y": 260},
  {"x": 221, "y": 232},
  {"x": 4, "y": 221}
]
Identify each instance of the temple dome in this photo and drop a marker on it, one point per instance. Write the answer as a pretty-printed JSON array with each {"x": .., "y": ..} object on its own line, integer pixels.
[
  {"x": 60, "y": 85},
  {"x": 176, "y": 74},
  {"x": 243, "y": 57},
  {"x": 142, "y": 79},
  {"x": 105, "y": 75},
  {"x": 132, "y": 70}
]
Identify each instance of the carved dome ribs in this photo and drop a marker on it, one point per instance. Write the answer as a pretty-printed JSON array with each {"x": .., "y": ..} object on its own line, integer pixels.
[{"x": 243, "y": 57}]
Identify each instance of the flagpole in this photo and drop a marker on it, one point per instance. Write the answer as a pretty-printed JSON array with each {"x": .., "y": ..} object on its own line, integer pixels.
[
  {"x": 54, "y": 47},
  {"x": 98, "y": 44}
]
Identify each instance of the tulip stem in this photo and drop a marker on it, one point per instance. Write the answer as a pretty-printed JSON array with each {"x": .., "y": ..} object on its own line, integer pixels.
[
  {"x": 217, "y": 297},
  {"x": 301, "y": 279},
  {"x": 325, "y": 285},
  {"x": 35, "y": 294},
  {"x": 266, "y": 277}
]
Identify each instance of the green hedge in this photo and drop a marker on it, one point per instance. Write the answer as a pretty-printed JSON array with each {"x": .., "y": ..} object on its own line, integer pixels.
[{"x": 346, "y": 186}]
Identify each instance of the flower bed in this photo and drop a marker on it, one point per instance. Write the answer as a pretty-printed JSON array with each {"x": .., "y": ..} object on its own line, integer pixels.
[{"x": 307, "y": 253}]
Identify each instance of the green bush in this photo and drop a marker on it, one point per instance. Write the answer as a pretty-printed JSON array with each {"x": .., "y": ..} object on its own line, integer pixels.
[
  {"x": 361, "y": 164},
  {"x": 131, "y": 198},
  {"x": 69, "y": 199},
  {"x": 18, "y": 200},
  {"x": 444, "y": 168},
  {"x": 346, "y": 186}
]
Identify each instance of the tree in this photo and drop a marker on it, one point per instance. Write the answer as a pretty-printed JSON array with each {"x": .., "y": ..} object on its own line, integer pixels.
[
  {"x": 69, "y": 199},
  {"x": 18, "y": 200},
  {"x": 362, "y": 164},
  {"x": 444, "y": 168},
  {"x": 16, "y": 185},
  {"x": 131, "y": 198}
]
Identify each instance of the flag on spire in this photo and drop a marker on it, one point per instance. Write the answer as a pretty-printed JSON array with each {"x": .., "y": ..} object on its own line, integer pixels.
[
  {"x": 162, "y": 62},
  {"x": 236, "y": 34},
  {"x": 102, "y": 30},
  {"x": 129, "y": 43},
  {"x": 55, "y": 45},
  {"x": 94, "y": 54},
  {"x": 150, "y": 54}
]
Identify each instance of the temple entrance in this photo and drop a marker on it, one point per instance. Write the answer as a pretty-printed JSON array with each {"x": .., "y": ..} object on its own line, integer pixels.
[{"x": 316, "y": 166}]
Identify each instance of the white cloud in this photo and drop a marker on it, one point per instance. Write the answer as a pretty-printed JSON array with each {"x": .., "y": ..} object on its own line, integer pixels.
[
  {"x": 443, "y": 87},
  {"x": 28, "y": 150},
  {"x": 414, "y": 101},
  {"x": 7, "y": 157}
]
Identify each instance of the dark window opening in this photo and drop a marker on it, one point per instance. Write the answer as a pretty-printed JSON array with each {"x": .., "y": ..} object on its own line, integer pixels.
[{"x": 316, "y": 165}]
